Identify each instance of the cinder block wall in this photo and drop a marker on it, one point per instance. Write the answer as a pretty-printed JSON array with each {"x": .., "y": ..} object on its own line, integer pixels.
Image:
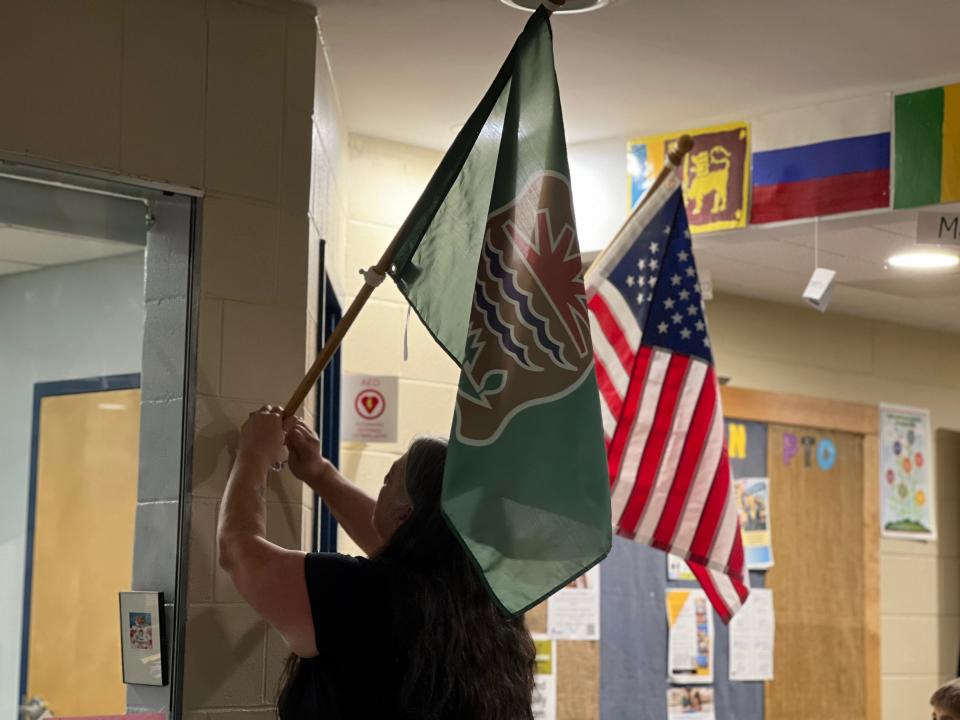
[
  {"x": 385, "y": 180},
  {"x": 233, "y": 98}
]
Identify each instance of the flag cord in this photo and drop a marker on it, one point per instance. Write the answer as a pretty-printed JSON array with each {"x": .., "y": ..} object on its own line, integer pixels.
[
  {"x": 406, "y": 328},
  {"x": 816, "y": 242}
]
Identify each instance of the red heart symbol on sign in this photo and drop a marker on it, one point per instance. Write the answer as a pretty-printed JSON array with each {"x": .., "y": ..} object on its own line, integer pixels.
[{"x": 370, "y": 402}]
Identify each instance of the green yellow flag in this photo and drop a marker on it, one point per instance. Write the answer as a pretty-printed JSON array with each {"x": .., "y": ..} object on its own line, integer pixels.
[
  {"x": 489, "y": 260},
  {"x": 927, "y": 147}
]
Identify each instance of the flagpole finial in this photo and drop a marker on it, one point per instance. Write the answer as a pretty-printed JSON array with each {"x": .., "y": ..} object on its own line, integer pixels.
[{"x": 684, "y": 145}]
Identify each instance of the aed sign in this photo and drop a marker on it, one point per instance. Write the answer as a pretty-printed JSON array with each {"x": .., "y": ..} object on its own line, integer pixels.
[
  {"x": 938, "y": 228},
  {"x": 368, "y": 408}
]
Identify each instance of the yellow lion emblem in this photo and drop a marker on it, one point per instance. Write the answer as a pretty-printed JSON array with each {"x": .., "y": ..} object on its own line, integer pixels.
[{"x": 705, "y": 172}]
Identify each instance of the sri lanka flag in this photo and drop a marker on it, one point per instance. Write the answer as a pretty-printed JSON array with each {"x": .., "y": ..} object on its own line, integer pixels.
[{"x": 822, "y": 160}]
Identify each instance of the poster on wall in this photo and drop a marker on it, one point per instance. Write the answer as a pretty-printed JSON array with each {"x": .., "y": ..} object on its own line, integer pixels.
[
  {"x": 573, "y": 613},
  {"x": 368, "y": 408},
  {"x": 690, "y": 638},
  {"x": 545, "y": 679},
  {"x": 690, "y": 703},
  {"x": 753, "y": 505},
  {"x": 906, "y": 474},
  {"x": 751, "y": 638},
  {"x": 677, "y": 569},
  {"x": 142, "y": 638},
  {"x": 715, "y": 174}
]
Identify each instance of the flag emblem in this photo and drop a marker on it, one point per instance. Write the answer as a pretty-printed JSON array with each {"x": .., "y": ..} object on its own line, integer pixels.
[
  {"x": 714, "y": 176},
  {"x": 528, "y": 340}
]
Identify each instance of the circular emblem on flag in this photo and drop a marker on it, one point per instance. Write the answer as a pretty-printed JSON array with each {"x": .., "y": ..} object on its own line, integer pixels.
[
  {"x": 369, "y": 404},
  {"x": 528, "y": 340}
]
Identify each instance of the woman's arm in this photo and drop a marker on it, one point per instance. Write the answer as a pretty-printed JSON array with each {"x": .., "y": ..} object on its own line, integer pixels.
[
  {"x": 350, "y": 505},
  {"x": 270, "y": 578}
]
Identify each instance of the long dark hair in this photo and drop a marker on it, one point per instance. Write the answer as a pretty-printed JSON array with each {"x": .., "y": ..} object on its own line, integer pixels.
[{"x": 467, "y": 659}]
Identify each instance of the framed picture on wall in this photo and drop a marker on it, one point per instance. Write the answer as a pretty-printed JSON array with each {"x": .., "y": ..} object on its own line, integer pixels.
[{"x": 142, "y": 638}]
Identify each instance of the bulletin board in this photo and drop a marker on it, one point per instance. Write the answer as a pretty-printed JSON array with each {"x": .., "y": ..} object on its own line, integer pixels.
[
  {"x": 820, "y": 456},
  {"x": 633, "y": 657}
]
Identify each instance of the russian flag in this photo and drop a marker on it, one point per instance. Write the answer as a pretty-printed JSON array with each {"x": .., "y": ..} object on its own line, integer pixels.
[{"x": 822, "y": 160}]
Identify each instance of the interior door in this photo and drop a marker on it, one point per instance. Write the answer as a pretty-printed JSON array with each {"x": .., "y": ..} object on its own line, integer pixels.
[
  {"x": 82, "y": 527},
  {"x": 816, "y": 512}
]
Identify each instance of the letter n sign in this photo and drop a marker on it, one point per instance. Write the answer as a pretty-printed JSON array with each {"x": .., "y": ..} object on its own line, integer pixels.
[{"x": 737, "y": 441}]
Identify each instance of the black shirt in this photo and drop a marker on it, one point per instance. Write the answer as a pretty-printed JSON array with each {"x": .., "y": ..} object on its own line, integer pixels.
[{"x": 357, "y": 673}]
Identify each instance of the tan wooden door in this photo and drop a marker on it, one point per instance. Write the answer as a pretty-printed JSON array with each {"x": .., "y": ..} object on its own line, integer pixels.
[
  {"x": 83, "y": 549},
  {"x": 816, "y": 512}
]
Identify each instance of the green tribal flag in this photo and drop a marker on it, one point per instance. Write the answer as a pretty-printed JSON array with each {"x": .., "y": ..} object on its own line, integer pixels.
[{"x": 489, "y": 260}]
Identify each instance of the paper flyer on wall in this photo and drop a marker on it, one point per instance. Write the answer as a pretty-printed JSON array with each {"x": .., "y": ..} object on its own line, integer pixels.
[
  {"x": 573, "y": 613},
  {"x": 545, "y": 679},
  {"x": 677, "y": 569},
  {"x": 691, "y": 638},
  {"x": 751, "y": 638},
  {"x": 906, "y": 474},
  {"x": 753, "y": 502},
  {"x": 690, "y": 703}
]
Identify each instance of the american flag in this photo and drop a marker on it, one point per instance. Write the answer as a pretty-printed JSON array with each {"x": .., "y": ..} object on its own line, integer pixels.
[{"x": 670, "y": 481}]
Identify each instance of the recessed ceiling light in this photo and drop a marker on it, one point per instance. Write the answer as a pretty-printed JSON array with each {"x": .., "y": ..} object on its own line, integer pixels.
[
  {"x": 924, "y": 260},
  {"x": 568, "y": 8}
]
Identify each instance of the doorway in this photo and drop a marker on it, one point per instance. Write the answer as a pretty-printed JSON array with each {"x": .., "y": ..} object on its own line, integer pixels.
[
  {"x": 98, "y": 305},
  {"x": 80, "y": 526}
]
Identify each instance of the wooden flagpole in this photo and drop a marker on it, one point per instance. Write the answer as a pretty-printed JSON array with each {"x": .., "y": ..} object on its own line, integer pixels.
[
  {"x": 674, "y": 159},
  {"x": 372, "y": 279}
]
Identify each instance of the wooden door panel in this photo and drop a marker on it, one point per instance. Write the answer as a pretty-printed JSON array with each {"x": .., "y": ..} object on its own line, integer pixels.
[
  {"x": 816, "y": 504},
  {"x": 84, "y": 516}
]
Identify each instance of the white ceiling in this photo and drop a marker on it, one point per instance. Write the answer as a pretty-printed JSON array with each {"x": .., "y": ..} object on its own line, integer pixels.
[
  {"x": 413, "y": 70},
  {"x": 23, "y": 249},
  {"x": 775, "y": 263}
]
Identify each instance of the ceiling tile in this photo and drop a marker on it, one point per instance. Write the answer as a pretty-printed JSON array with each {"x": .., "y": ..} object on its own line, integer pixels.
[{"x": 25, "y": 245}]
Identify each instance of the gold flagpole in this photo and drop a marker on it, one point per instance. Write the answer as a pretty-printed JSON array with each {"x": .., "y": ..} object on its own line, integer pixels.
[{"x": 674, "y": 159}]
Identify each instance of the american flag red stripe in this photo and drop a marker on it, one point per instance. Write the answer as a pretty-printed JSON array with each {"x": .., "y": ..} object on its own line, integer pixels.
[
  {"x": 692, "y": 452},
  {"x": 623, "y": 429},
  {"x": 653, "y": 448},
  {"x": 669, "y": 473},
  {"x": 610, "y": 395},
  {"x": 611, "y": 331}
]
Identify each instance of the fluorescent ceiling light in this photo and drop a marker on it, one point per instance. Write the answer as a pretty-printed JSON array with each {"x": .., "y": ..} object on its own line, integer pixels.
[{"x": 924, "y": 260}]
